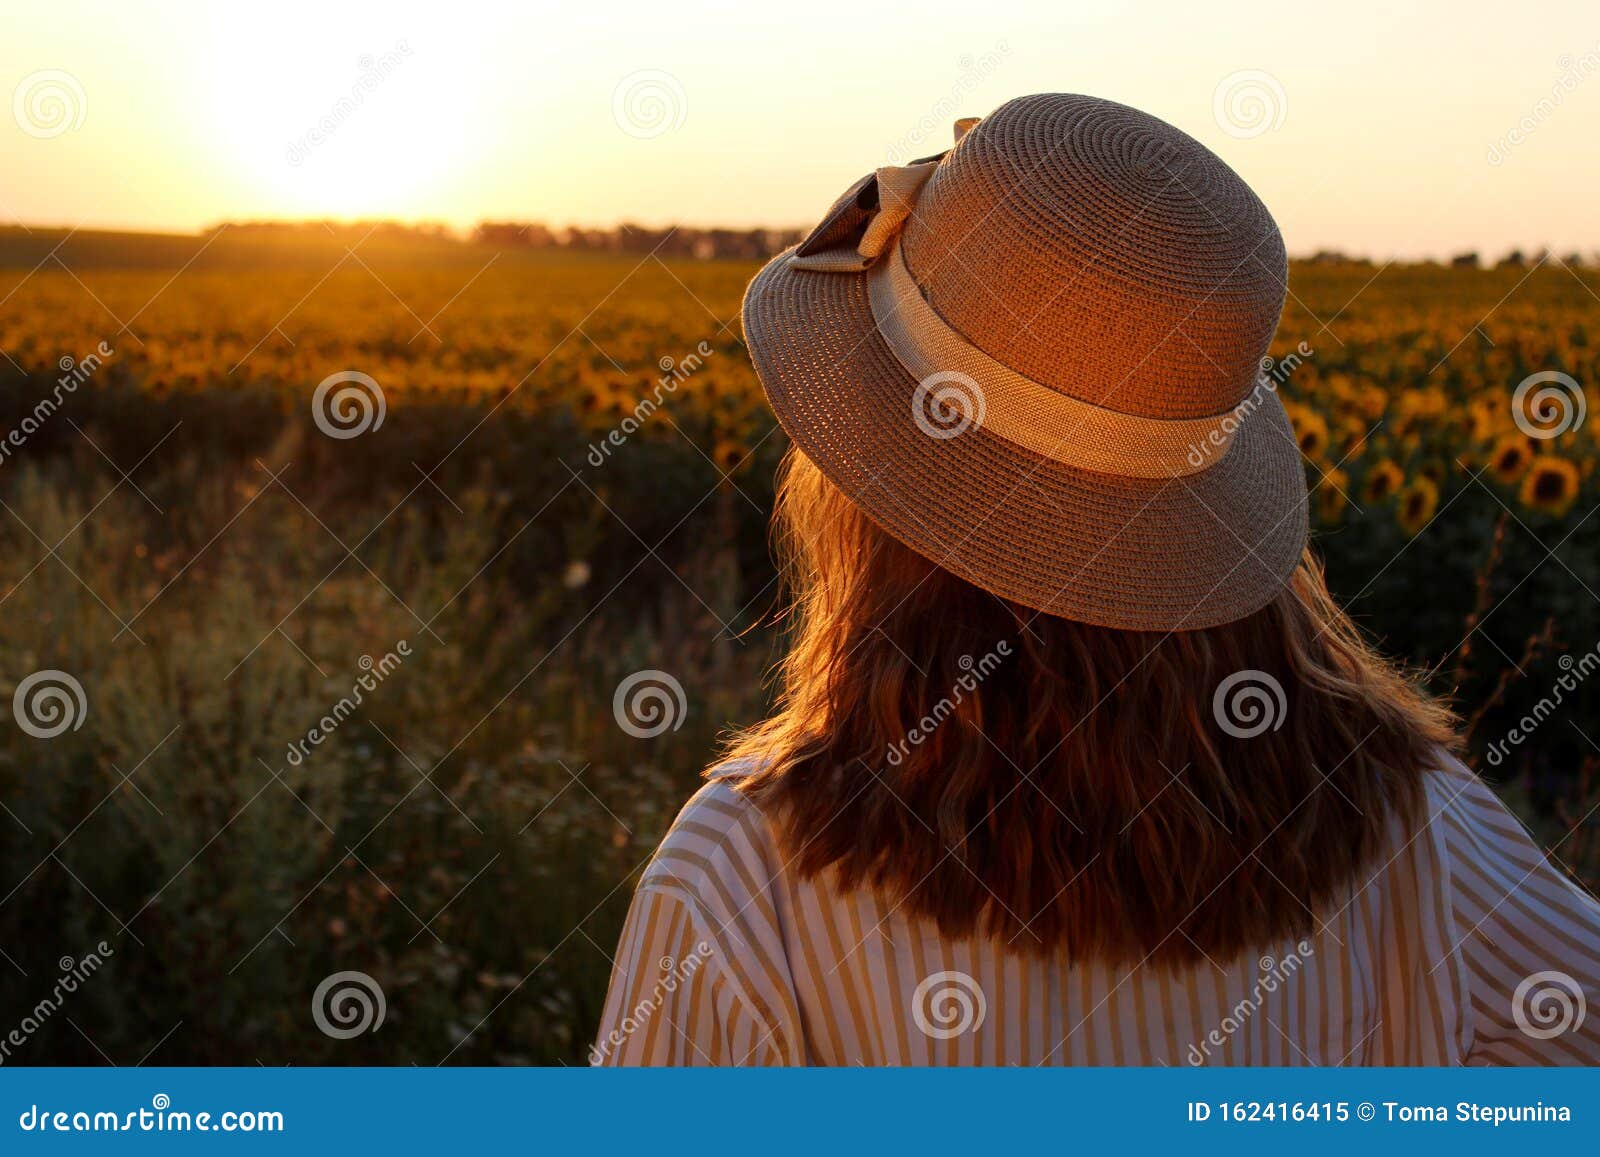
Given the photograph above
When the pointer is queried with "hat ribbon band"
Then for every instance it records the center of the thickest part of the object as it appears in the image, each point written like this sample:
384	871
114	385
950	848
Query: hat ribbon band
960	386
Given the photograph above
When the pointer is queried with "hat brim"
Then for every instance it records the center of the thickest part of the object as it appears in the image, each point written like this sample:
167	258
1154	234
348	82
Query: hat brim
1131	553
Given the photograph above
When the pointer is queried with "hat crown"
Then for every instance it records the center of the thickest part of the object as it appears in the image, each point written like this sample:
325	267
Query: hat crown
1103	253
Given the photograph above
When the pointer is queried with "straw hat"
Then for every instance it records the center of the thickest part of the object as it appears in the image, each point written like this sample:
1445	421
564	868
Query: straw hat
1036	359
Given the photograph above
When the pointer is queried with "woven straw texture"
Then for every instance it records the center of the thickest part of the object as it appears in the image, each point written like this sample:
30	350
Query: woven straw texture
1106	255
1101	251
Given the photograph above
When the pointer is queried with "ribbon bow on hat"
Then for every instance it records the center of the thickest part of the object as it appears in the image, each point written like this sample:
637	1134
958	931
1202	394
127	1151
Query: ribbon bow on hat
863	222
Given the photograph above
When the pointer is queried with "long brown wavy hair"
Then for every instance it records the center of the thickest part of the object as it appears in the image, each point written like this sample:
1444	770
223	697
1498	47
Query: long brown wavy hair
1070	789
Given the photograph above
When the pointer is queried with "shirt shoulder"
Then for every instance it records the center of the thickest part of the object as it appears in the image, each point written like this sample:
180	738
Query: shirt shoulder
719	852
1472	824
720	860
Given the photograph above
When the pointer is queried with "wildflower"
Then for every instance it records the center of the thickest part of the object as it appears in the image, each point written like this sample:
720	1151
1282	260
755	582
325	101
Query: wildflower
1551	485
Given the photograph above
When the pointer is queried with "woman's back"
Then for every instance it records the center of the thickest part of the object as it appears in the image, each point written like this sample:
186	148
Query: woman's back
1450	952
1074	757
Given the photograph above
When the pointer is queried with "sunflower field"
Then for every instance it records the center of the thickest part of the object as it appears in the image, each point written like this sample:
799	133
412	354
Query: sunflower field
235	473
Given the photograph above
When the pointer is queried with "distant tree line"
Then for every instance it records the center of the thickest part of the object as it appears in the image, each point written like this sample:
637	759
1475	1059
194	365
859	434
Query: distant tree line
682	241
687	241
345	230
676	241
1517	259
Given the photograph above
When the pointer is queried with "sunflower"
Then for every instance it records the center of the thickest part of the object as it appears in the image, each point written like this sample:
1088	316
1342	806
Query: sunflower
728	455
1551	485
1351	441
1418	501
1509	458
1434	470
1331	496
1382	481
1311	431
1374	402
1482	417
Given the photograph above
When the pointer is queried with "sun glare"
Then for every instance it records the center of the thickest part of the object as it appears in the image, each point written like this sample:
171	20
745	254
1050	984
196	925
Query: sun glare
327	131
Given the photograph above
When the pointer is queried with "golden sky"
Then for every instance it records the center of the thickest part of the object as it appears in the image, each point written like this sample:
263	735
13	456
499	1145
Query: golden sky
1384	128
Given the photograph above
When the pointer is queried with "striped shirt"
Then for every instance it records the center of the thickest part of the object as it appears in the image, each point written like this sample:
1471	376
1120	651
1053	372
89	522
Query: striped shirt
1463	945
